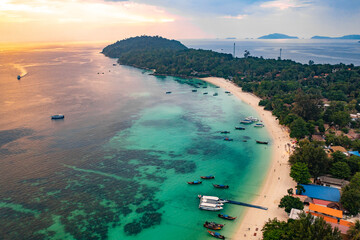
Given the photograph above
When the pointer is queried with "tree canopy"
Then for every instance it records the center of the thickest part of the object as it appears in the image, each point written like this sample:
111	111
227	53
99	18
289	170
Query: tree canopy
311	154
350	198
300	173
288	202
307	227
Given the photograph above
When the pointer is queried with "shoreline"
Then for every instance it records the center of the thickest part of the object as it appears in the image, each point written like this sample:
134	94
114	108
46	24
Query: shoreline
277	179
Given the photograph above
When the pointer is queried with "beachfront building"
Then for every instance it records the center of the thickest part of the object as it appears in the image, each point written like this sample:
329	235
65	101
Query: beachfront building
321	192
331	182
294	213
332	216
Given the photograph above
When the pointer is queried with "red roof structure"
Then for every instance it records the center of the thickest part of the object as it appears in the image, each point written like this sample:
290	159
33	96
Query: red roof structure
321	202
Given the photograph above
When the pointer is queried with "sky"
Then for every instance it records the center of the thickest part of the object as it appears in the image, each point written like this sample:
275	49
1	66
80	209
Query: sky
109	20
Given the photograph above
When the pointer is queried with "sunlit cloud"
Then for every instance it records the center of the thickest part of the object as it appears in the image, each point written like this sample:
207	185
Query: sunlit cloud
66	11
285	4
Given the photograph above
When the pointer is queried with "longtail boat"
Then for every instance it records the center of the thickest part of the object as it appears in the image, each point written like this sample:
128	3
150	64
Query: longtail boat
228	139
220	186
227	217
194	182
261	142
216	235
208	177
213	225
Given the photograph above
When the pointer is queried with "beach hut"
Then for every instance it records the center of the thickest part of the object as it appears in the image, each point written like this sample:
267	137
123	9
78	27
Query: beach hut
331	182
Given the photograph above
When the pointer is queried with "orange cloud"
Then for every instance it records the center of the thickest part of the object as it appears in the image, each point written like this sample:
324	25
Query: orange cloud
23	20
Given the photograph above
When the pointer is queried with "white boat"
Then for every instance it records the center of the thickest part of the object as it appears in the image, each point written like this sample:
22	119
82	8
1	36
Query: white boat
246	121
213	198
210	206
211	201
252	119
259	125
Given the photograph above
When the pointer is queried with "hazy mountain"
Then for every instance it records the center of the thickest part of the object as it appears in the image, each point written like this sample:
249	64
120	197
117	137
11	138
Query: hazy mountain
354	36
277	36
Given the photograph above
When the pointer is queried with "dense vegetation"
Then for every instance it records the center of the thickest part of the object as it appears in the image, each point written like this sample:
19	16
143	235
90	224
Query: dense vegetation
307	227
350	197
141	44
310	99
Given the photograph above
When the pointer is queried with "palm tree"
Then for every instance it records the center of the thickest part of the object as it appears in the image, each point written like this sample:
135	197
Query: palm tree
354	231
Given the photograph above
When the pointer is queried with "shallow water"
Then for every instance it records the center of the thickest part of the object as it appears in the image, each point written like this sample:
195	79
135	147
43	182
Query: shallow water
116	167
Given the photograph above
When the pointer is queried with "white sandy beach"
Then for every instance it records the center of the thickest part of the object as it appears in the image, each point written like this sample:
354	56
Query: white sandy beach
277	180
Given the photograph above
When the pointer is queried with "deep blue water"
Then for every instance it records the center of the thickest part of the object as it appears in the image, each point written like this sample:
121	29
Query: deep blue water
299	50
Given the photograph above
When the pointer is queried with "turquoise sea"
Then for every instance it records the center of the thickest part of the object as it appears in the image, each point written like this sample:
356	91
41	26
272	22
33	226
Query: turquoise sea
116	167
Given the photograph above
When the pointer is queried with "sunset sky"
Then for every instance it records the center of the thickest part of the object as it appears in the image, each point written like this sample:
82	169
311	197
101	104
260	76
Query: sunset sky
98	20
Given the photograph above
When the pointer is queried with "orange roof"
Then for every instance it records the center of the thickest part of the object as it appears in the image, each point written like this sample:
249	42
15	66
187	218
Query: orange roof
326	210
338	148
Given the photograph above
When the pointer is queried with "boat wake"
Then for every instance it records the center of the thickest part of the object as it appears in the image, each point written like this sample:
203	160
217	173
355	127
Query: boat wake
22	70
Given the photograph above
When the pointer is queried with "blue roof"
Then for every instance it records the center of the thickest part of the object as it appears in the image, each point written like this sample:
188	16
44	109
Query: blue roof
356	153
321	192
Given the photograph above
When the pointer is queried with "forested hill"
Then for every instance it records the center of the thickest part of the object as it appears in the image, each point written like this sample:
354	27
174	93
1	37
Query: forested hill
141	43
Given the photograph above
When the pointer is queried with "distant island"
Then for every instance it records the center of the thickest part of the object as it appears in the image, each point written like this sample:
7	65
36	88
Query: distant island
141	43
348	37
277	36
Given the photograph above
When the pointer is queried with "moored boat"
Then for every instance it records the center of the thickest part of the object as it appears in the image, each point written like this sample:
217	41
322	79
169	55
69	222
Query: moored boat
194	182
262	142
246	121
253	119
228	139
220	186
216	235
194	90
215	94
227	92
18	77
213	225
205	93
227	217
210	206
225	132
208	177
58	116
168	92
259	125
239	128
